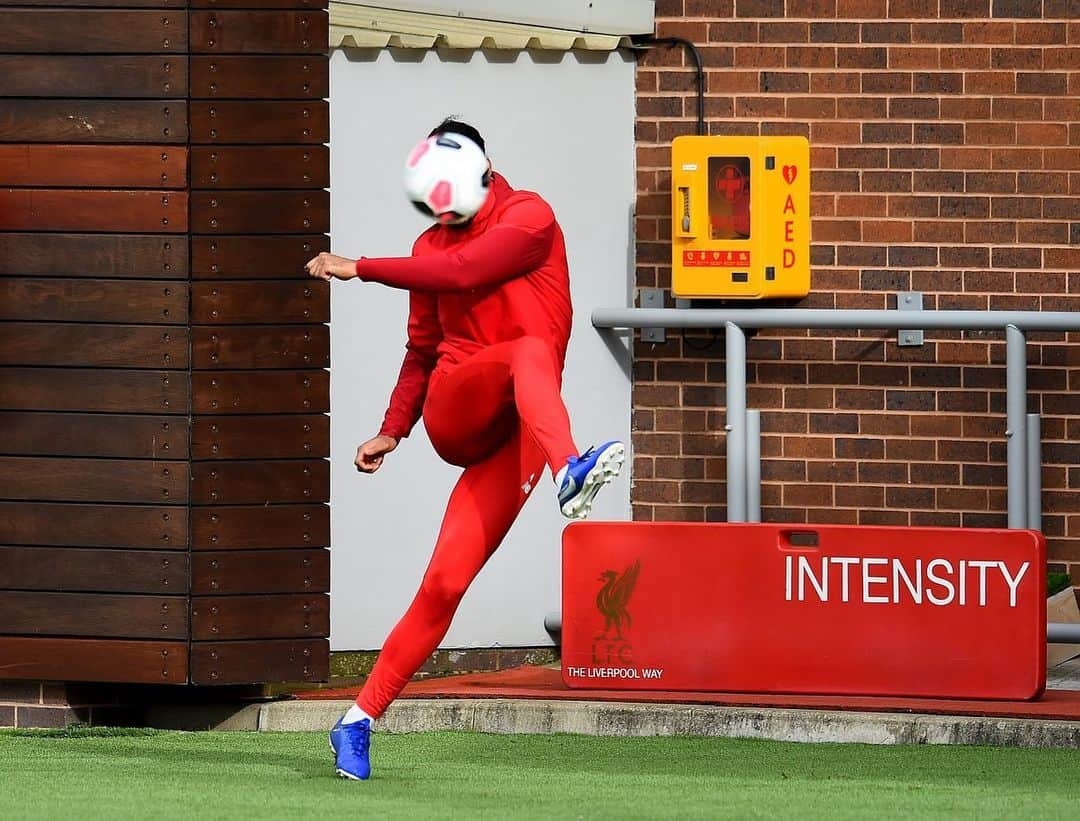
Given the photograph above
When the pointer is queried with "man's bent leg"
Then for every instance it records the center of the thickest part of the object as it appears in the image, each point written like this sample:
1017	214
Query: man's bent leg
482	507
520	376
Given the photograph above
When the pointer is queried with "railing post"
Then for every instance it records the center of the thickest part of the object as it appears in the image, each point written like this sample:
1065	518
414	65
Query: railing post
753	466
1034	472
1016	425
735	352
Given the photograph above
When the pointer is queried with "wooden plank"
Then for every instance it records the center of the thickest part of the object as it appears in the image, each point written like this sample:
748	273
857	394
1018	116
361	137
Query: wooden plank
234	303
255	437
256	392
131	526
258	212
76	31
163	4
247	662
93	166
260	78
115	256
252	257
257	4
110	346
256	122
261	346
100	615
61	209
260	571
104	77
80	389
93	480
259	32
306	166
90	300
100	121
258	617
137	662
80	569
93	435
257	527
263	482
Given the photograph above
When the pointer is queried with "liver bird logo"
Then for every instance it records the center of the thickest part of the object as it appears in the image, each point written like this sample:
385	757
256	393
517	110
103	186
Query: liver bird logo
613	597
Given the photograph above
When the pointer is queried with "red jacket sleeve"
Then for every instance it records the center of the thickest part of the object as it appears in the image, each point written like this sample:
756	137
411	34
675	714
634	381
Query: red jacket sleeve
517	244
407	400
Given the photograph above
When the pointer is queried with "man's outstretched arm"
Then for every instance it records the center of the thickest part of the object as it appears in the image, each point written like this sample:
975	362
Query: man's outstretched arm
407	399
518	244
421	353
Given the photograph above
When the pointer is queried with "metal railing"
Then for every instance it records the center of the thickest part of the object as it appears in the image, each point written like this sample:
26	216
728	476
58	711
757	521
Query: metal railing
1023	458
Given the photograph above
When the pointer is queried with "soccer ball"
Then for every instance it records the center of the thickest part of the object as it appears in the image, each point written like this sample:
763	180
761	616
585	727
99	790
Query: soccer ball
446	177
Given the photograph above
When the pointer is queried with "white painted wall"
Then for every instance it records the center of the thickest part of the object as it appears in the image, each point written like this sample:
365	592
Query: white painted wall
554	123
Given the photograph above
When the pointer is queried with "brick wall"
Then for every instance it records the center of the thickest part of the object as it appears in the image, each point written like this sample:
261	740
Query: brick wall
945	144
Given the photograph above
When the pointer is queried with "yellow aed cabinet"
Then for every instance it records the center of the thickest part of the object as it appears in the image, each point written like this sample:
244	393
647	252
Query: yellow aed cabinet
740	217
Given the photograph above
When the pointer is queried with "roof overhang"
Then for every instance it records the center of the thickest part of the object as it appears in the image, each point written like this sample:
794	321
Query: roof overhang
555	25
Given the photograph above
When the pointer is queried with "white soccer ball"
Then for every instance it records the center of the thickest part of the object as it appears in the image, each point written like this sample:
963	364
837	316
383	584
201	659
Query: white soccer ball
446	177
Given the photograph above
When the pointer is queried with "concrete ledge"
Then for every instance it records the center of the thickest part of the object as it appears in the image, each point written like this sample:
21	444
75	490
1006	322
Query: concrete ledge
507	716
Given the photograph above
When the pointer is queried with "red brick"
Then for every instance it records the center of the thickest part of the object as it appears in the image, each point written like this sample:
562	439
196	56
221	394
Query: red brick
889	518
832	472
759	57
832	516
1061	58
656	491
678	513
942	33
804	494
812	9
642	513
789	31
732	82
909	497
859	496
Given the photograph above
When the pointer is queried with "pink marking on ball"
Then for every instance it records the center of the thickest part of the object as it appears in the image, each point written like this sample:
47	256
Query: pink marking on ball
418	152
440	197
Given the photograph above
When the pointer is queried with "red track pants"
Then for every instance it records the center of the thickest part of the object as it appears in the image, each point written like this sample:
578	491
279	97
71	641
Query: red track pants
500	416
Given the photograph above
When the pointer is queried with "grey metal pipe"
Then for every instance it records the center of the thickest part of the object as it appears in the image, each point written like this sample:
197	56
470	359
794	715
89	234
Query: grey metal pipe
1034	472
1016	425
553	626
753	465
1057	633
735	355
840	319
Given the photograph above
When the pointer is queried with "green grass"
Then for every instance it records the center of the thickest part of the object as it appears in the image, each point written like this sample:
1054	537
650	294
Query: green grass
165	775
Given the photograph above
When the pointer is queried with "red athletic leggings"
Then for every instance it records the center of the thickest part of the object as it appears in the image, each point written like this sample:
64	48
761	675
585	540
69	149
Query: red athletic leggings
499	415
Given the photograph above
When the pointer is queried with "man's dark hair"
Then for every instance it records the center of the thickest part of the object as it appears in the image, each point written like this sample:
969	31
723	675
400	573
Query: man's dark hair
453	126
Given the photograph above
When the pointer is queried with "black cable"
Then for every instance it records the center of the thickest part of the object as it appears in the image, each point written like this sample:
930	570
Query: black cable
651	42
695	55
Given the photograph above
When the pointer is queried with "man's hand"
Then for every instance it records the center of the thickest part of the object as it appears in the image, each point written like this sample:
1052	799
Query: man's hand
327	266
369	456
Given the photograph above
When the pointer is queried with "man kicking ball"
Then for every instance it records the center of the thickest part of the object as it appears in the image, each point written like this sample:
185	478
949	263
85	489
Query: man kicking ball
489	324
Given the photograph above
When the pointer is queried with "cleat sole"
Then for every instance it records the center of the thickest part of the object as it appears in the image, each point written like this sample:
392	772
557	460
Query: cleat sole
606	469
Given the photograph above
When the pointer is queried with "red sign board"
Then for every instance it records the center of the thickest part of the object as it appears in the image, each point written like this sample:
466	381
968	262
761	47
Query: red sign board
838	610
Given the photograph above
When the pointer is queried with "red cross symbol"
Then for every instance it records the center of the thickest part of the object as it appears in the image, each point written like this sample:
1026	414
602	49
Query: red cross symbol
730	182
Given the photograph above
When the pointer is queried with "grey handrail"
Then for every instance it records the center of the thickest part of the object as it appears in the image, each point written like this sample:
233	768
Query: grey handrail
734	320
834	318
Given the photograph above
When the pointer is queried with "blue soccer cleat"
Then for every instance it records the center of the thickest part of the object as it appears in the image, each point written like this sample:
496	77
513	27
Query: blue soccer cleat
335	735
586	474
353	742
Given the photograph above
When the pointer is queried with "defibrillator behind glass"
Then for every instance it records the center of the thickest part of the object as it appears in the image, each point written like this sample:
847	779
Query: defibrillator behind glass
740	217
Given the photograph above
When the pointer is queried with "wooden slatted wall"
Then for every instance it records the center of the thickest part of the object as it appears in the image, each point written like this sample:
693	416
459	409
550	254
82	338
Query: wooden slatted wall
260	574
163	484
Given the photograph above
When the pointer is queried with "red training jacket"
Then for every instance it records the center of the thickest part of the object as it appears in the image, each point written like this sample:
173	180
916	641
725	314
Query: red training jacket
500	277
